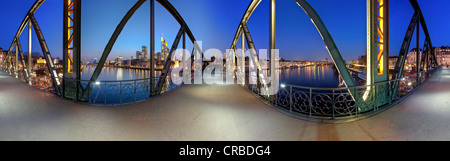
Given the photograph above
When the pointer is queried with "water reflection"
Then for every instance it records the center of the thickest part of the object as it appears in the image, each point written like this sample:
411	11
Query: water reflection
112	74
120	74
312	76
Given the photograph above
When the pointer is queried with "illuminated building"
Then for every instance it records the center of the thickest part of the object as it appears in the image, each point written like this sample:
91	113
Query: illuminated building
144	53
164	50
411	59
56	60
392	62
119	60
40	62
94	61
138	55
2	55
443	55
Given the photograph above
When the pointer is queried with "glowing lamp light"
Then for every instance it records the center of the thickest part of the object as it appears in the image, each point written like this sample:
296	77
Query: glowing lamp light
283	85
97	83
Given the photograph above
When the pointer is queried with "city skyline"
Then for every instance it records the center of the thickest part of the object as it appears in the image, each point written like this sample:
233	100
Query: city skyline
297	38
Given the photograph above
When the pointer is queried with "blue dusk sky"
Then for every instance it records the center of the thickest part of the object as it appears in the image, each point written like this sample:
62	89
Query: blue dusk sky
215	22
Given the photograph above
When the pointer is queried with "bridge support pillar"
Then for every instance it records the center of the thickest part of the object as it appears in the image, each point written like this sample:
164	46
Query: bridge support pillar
30	65
418	71
16	63
71	49
152	47
377	51
243	57
273	73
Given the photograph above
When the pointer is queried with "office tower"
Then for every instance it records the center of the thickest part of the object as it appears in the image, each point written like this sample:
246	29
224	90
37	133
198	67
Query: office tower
144	53
119	60
138	55
164	50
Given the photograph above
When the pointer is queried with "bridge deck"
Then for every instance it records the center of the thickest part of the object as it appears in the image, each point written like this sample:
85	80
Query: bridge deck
223	112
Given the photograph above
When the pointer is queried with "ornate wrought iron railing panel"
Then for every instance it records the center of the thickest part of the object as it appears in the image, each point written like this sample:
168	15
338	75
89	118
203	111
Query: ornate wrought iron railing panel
121	92
335	102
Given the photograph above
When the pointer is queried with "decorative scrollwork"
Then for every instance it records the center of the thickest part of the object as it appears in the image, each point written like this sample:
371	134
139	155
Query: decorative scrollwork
322	104
300	101
128	92
283	98
344	104
112	93
142	90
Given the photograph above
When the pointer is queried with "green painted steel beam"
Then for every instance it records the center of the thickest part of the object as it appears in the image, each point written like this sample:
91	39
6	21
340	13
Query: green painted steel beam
47	55
331	46
416	7
26	73
175	14
32	10
22	26
250	9
329	42
168	62
120	27
398	71
416	19
109	46
71	87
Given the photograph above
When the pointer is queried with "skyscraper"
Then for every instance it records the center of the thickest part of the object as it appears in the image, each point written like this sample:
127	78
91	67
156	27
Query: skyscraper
164	49
138	55
119	60
158	57
144	53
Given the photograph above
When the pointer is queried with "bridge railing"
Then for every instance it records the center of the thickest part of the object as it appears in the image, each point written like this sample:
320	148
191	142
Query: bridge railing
121	91
102	92
330	103
41	81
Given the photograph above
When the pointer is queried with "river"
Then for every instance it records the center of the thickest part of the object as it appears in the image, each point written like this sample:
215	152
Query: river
311	76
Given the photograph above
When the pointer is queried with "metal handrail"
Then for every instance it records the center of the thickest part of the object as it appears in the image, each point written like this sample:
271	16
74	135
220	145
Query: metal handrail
121	91
125	91
329	103
111	80
345	88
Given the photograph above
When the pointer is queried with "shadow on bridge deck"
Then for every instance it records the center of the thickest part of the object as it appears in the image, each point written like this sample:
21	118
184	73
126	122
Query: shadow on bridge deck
221	112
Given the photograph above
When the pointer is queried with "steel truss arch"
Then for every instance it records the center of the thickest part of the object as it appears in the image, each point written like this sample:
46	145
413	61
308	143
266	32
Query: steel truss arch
29	18
417	19
184	29
321	28
25	20
26	73
329	43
